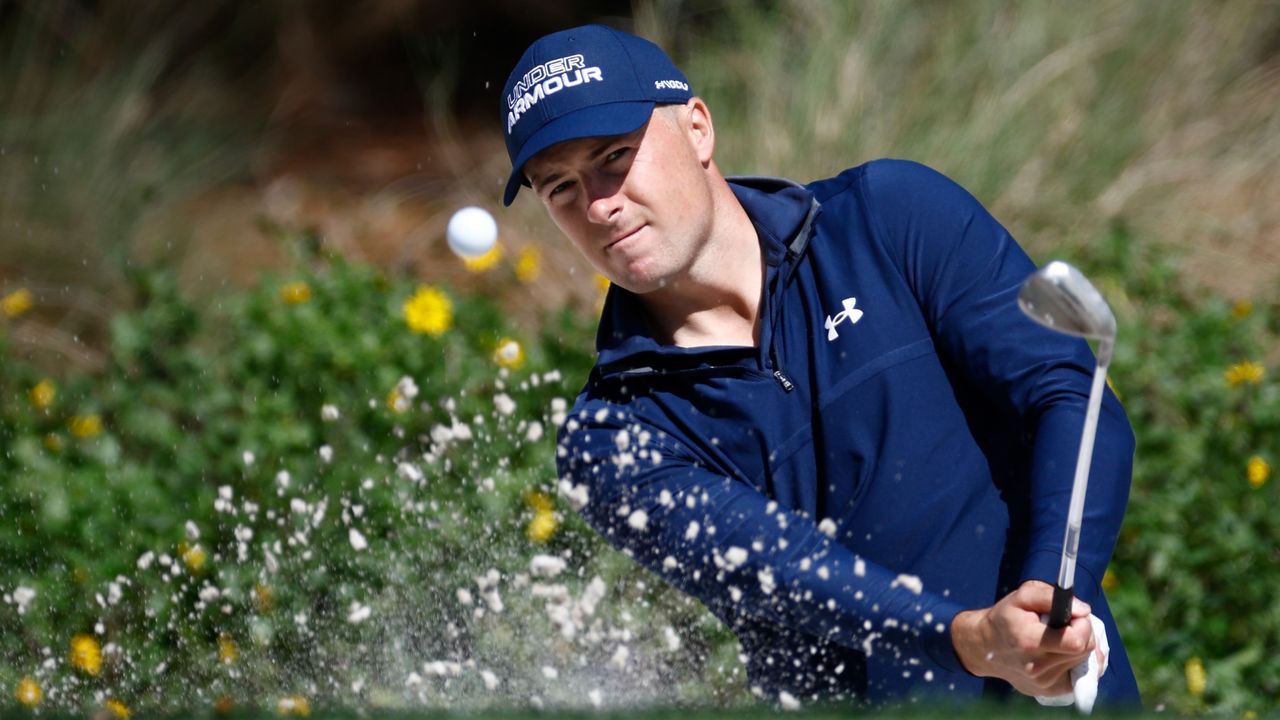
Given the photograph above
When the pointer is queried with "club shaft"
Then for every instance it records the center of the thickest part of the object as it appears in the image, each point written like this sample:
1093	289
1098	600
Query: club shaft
1079	486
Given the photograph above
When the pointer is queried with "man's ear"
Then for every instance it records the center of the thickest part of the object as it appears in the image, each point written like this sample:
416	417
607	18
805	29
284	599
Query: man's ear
702	134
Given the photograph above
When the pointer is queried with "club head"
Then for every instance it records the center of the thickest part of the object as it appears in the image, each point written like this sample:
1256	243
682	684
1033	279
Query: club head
1061	298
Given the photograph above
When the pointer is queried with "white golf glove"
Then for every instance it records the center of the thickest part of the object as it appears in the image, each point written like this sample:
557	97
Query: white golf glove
1084	677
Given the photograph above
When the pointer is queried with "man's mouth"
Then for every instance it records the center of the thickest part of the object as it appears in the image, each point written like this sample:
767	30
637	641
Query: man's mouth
619	237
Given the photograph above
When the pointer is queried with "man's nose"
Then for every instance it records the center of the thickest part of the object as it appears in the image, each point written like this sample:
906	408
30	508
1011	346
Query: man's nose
604	198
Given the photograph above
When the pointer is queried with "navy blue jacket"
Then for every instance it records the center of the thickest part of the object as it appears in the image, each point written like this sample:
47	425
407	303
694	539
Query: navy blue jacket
898	447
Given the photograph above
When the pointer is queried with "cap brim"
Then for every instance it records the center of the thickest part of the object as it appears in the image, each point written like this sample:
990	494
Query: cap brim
617	118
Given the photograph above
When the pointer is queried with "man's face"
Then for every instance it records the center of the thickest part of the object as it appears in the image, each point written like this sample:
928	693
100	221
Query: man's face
638	206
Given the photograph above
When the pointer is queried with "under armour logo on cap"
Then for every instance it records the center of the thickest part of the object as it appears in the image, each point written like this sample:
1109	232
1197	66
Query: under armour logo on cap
589	81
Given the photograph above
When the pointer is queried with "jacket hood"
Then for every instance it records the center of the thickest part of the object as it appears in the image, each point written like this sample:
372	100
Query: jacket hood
781	211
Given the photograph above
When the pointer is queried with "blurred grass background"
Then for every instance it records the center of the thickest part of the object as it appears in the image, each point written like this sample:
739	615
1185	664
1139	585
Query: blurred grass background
212	217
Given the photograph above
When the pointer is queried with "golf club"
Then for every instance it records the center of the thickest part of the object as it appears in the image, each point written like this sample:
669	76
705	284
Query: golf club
1061	298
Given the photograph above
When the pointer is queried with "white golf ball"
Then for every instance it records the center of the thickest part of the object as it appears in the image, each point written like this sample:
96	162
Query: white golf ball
472	232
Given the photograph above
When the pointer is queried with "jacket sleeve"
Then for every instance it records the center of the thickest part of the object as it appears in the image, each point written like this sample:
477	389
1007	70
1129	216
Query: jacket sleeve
722	541
965	271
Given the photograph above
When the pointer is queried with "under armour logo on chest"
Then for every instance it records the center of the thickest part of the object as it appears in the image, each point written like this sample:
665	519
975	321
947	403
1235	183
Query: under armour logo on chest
849	313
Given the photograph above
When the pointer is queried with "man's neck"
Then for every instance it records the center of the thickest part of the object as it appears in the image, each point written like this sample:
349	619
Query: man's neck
717	302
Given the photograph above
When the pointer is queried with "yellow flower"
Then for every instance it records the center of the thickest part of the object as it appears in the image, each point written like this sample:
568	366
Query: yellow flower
293	705
539	501
193	557
485	262
544	524
28	692
43	394
118	709
85	426
398	403
86	654
295	293
1196	676
53	442
509	354
224	705
1109	580
429	311
602	291
1241	309
227	650
1258	471
529	264
263	598
1245	372
16	303
542	527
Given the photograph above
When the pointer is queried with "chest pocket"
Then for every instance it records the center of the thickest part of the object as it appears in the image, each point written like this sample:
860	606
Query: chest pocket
904	354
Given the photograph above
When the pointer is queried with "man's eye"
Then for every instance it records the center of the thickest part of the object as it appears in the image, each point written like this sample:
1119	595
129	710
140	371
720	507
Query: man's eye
559	188
616	154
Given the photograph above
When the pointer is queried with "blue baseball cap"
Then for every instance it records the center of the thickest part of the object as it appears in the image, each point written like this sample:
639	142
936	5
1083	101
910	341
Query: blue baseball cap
589	81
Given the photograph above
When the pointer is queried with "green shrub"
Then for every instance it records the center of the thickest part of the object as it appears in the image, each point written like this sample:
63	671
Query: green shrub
1195	571
193	507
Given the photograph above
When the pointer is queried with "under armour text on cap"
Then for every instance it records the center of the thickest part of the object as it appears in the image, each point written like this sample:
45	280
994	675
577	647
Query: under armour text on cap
589	81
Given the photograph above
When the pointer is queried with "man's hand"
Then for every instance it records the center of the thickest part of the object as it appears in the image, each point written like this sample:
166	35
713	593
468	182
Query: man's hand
1009	640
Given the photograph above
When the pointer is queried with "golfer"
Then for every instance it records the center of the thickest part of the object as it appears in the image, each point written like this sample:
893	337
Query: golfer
817	408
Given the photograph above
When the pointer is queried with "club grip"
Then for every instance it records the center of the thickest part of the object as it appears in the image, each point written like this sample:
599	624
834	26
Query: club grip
1060	613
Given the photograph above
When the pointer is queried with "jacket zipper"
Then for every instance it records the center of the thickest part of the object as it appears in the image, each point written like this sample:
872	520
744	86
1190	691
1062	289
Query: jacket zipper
792	258
785	381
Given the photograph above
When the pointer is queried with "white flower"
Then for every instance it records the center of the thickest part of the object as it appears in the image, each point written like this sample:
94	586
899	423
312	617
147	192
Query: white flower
326	453
358	541
329	413
248	458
